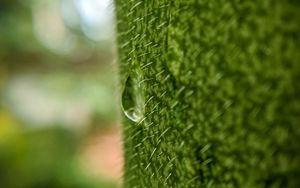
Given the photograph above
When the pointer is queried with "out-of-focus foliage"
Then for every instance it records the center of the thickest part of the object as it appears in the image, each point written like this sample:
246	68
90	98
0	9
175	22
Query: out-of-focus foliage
46	92
16	29
43	159
84	71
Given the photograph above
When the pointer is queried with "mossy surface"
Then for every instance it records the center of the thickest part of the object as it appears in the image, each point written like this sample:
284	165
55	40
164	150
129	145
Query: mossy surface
221	85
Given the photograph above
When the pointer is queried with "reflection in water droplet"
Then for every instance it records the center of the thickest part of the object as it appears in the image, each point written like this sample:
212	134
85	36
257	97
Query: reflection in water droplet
133	115
133	100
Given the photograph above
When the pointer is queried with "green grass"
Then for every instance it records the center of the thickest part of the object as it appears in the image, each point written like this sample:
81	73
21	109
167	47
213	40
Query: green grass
220	86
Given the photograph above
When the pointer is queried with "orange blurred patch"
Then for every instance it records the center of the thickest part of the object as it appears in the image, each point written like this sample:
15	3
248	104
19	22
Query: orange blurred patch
102	154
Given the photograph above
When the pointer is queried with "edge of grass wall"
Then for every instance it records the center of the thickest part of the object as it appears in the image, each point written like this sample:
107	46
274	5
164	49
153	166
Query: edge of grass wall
219	87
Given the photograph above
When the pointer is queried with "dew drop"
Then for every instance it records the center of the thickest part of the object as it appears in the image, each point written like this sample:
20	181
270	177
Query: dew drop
133	100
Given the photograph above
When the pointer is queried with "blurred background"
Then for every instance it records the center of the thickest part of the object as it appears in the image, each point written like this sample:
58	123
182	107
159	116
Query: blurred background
58	84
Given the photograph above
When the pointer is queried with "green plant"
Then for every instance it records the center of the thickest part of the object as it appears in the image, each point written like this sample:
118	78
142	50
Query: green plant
219	84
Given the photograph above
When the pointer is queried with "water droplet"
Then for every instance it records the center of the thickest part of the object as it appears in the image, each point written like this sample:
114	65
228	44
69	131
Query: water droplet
133	99
133	115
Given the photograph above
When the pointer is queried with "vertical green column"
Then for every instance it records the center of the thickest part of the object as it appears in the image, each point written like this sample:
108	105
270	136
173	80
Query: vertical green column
211	92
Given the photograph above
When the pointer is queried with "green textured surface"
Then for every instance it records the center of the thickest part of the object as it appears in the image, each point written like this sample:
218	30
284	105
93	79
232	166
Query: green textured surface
221	86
